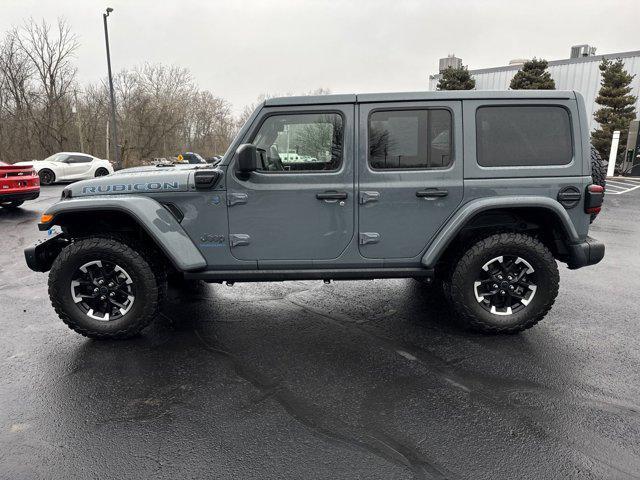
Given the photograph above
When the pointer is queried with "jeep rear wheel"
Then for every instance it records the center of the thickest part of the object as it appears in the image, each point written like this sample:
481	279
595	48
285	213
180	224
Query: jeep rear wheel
504	283
103	288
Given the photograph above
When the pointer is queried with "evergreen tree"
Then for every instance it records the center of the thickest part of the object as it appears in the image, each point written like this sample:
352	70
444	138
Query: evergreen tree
533	76
456	79
617	107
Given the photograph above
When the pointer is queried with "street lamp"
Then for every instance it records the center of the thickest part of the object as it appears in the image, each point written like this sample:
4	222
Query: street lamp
114	135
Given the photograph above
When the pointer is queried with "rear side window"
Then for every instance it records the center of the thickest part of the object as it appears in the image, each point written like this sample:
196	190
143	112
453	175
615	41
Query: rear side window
410	139
516	136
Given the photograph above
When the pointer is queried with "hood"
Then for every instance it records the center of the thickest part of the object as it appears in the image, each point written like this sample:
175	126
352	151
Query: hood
133	181
160	168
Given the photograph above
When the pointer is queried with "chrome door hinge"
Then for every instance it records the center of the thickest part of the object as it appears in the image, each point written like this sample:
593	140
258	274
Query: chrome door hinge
236	198
369	237
239	239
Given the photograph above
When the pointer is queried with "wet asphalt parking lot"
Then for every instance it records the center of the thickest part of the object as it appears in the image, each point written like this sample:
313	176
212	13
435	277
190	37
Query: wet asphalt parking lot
365	379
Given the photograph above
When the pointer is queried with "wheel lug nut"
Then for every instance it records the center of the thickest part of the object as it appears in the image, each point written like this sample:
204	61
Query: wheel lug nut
495	285
510	287
502	292
102	297
100	282
111	284
95	290
111	294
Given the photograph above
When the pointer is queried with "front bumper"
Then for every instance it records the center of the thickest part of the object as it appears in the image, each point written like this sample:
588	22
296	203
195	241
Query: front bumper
19	196
589	252
41	255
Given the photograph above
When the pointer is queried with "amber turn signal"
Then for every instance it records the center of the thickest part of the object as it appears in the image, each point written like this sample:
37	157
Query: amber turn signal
46	218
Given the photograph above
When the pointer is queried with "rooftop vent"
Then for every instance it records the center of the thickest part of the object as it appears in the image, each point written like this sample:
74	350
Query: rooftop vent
517	61
579	51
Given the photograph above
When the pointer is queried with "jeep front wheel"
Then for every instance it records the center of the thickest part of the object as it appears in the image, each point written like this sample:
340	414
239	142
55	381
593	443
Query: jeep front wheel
504	283
104	289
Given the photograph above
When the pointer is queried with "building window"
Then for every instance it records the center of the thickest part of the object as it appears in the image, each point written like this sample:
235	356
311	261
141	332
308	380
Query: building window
410	139
518	136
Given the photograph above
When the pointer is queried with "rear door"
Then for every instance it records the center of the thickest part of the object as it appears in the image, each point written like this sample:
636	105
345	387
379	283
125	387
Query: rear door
299	206
410	175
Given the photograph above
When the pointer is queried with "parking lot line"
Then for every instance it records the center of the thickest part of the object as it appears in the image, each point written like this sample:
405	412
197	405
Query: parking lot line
622	185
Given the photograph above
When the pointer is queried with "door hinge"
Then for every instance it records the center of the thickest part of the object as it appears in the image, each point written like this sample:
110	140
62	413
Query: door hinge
369	237
366	197
239	239
236	198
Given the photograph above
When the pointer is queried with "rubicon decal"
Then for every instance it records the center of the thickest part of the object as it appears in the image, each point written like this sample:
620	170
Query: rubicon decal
132	187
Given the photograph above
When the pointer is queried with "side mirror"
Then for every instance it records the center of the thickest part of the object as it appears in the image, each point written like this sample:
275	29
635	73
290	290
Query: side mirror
248	158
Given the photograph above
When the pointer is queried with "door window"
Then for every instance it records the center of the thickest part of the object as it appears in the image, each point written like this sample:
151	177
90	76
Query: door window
410	139
79	159
301	142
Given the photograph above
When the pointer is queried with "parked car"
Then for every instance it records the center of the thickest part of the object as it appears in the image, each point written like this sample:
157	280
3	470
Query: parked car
191	158
18	183
481	214
69	166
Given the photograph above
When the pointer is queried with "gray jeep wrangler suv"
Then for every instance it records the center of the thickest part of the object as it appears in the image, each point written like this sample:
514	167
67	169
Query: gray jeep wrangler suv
476	193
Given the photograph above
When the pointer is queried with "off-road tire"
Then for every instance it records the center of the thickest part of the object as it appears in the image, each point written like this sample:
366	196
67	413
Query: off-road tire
11	205
101	172
465	270
47	177
598	172
149	281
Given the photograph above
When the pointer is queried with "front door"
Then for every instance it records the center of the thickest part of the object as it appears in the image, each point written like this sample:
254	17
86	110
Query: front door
78	166
410	175
299	206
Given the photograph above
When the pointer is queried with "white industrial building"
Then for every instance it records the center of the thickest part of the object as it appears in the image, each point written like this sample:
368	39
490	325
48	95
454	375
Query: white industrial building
578	73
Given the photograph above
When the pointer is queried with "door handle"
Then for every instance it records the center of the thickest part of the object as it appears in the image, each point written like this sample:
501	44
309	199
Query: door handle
431	193
332	196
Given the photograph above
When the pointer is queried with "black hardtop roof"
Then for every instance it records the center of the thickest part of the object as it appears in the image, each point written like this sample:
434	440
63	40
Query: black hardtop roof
418	96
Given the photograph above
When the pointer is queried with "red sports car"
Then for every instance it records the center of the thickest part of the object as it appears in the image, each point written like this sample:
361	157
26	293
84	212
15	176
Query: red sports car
17	185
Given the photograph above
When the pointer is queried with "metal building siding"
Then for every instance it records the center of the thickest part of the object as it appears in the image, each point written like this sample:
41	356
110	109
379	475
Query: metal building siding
581	74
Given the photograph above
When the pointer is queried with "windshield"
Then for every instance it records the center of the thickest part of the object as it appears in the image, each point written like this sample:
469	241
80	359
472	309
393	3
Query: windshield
56	157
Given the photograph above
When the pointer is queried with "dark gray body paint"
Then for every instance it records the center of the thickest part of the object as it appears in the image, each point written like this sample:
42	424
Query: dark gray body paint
274	221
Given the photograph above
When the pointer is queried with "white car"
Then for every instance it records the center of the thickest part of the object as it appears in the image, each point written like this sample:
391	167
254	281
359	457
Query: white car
69	166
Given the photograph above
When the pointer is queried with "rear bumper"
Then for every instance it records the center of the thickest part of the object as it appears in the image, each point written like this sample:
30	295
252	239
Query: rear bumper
19	196
589	252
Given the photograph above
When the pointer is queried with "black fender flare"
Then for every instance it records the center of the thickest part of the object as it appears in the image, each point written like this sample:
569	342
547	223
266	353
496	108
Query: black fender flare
469	210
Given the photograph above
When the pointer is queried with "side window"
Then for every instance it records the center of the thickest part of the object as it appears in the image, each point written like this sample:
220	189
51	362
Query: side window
301	142
79	159
515	136
410	139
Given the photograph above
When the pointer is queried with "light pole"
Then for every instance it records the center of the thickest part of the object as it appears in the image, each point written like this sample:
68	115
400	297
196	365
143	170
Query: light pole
114	134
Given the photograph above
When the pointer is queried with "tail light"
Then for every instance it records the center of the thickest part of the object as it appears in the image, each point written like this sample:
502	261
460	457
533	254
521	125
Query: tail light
593	199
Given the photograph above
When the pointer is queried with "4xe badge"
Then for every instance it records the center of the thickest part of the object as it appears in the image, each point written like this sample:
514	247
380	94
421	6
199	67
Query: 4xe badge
212	238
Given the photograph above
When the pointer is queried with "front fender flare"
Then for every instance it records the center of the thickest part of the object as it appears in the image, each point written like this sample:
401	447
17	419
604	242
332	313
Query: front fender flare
471	209
150	215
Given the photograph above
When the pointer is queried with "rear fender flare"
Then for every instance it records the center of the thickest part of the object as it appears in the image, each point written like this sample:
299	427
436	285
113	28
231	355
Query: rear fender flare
469	210
150	215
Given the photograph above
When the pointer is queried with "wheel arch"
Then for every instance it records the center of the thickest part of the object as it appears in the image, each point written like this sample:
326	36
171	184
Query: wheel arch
501	214
142	215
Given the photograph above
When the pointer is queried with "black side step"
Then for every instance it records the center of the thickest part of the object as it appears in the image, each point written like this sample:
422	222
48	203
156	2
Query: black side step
307	274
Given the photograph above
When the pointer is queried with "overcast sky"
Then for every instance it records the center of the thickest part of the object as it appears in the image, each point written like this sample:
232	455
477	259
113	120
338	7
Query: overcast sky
240	49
